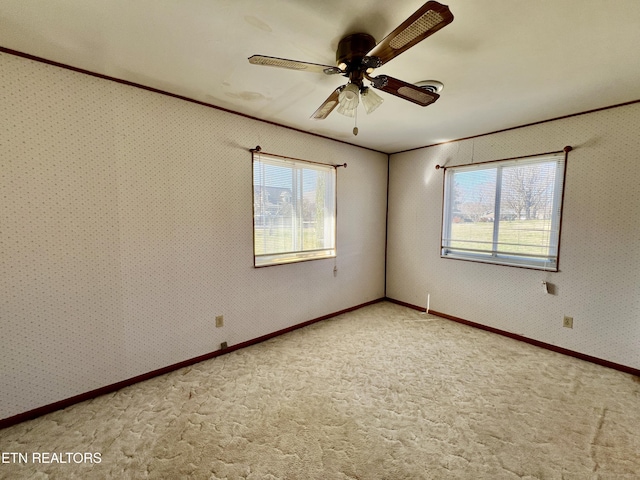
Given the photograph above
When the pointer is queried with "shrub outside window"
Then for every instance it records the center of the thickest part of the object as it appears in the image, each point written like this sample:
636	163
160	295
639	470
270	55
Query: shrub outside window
294	210
506	212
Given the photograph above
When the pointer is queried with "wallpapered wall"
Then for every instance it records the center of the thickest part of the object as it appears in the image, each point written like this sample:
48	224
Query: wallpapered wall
599	279
126	227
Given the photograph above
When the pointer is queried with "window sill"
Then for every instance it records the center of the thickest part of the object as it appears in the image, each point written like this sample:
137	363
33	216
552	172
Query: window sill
296	257
505	262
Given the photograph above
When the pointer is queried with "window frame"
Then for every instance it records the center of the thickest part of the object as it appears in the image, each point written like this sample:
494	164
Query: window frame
297	255
496	256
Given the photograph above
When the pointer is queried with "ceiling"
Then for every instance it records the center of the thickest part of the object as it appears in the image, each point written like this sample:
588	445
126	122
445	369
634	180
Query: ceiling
503	63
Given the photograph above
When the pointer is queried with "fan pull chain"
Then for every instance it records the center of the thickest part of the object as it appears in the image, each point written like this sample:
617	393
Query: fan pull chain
355	128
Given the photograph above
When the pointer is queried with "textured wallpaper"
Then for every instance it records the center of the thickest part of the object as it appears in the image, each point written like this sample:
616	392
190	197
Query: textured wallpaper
599	279
126	227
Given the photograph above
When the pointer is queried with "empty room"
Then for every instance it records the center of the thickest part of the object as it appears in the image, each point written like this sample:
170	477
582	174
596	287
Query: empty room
319	240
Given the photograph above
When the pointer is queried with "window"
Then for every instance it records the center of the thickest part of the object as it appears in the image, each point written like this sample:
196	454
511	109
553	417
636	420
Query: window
294	210
505	212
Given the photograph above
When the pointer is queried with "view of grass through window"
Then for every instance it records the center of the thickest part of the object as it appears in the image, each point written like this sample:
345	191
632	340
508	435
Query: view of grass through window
517	236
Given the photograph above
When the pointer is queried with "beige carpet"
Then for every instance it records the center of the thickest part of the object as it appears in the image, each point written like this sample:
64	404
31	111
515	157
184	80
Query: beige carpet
380	393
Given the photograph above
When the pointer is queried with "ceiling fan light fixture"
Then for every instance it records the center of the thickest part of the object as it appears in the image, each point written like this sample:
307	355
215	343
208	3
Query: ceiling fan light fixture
348	97
358	55
347	112
370	100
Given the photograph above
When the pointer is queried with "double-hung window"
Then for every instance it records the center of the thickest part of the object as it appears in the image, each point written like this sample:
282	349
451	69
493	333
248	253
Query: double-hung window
294	210
505	212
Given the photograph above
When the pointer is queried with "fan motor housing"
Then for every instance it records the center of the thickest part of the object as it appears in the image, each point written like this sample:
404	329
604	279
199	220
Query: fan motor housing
353	47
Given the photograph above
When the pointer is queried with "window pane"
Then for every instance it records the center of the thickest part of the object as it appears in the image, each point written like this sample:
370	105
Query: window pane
273	210
315	208
526	209
472	204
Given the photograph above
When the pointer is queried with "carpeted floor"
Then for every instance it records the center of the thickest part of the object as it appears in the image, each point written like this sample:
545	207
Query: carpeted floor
380	393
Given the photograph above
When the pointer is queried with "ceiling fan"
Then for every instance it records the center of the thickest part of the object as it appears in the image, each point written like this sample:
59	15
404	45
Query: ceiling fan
358	55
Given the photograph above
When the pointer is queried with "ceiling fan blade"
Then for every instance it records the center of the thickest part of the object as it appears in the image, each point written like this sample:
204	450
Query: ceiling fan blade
293	64
429	18
404	90
327	107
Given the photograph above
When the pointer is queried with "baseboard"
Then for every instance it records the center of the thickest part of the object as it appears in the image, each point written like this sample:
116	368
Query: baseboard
537	343
67	402
405	304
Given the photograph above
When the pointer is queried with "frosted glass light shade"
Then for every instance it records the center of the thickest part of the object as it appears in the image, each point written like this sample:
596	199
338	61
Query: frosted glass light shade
347	112
371	100
348	97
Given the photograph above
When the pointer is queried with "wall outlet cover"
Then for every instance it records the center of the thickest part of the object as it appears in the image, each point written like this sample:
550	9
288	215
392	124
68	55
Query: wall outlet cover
567	322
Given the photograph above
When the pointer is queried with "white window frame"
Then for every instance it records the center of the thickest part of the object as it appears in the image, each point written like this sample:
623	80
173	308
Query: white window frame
500	254
297	253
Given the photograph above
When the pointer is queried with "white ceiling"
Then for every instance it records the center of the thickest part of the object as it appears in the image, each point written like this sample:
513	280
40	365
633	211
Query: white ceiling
504	63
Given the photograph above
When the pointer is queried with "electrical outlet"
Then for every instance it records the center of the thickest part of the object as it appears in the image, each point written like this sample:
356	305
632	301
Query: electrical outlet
223	345
567	322
219	321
